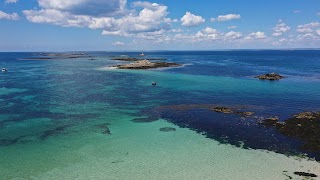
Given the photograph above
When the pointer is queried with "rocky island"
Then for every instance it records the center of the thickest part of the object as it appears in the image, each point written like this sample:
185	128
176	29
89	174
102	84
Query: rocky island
57	56
271	77
134	59
145	64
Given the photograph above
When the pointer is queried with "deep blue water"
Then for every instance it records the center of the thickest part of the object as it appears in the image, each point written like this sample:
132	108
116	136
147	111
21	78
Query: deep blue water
55	89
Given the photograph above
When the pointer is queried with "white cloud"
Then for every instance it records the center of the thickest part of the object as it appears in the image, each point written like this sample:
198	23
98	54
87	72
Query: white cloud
318	32
256	35
13	16
304	30
279	42
308	28
318	13
296	11
155	36
280	29
111	16
86	7
118	43
233	35
308	37
207	34
226	17
191	20
176	30
10	1
209	30
232	27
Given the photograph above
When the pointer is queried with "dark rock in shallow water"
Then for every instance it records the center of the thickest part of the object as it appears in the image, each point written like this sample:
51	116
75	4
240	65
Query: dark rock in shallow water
305	174
105	128
144	120
307	115
126	58
271	77
270	122
145	64
245	113
223	110
305	127
53	132
167	129
8	142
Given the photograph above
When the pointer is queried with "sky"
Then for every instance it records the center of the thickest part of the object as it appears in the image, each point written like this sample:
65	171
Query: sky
129	25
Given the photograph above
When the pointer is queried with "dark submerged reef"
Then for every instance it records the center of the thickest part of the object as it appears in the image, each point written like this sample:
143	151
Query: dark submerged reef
297	135
271	77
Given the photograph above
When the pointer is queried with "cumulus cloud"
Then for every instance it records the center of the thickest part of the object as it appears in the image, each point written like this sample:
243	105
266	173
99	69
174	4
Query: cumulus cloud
280	42
233	35
226	17
207	33
10	1
190	19
86	7
118	43
109	15
308	28
256	35
280	29
13	16
308	37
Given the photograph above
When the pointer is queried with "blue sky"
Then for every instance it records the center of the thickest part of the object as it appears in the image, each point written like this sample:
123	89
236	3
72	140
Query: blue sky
68	25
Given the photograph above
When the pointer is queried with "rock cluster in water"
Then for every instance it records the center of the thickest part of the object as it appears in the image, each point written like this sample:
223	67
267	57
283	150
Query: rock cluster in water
212	107
145	64
105	128
134	59
56	56
271	77
167	129
305	127
270	122
305	174
144	120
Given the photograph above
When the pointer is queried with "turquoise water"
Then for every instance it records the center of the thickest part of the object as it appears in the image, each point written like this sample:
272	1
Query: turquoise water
72	118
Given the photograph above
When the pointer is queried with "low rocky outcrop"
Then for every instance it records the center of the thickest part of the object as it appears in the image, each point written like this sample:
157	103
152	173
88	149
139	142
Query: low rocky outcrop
245	113
271	77
236	110
304	126
307	115
223	110
167	129
145	64
135	59
105	128
270	122
145	120
305	174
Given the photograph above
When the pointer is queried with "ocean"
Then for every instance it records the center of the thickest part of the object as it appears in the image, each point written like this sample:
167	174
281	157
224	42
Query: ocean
77	118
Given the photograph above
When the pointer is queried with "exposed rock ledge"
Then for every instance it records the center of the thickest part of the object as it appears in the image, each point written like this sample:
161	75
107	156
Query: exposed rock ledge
304	126
271	77
145	64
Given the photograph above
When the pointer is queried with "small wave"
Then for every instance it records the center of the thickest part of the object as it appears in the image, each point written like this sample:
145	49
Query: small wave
107	68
